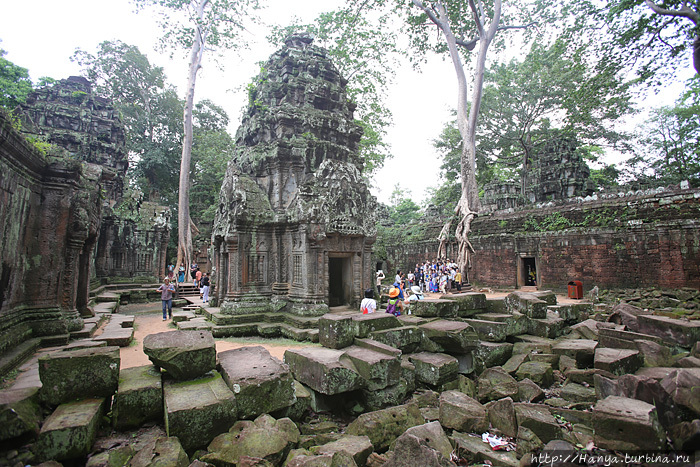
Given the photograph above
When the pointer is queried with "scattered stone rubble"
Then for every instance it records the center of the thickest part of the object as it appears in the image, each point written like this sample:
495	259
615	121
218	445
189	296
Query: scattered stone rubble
420	389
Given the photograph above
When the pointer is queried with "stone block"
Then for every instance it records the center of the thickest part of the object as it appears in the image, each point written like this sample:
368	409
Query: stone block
385	397
540	373
75	374
528	391
161	452
527	304
475	451
489	354
265	438
552	359
322	370
468	303
261	383
674	331
578	394
581	350
183	354
435	308
377	346
495	383
627	425
452	336
384	426
492	331
516	323
574	312
378	369
366	324
514	362
198	410
683	385
407	339
139	397
301	406
336	331
359	447
462	413
19	412
618	361
434	368
539	419
70	431
434	436
550	326
502	416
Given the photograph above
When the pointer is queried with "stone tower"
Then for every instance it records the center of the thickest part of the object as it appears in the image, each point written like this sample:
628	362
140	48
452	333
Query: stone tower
296	222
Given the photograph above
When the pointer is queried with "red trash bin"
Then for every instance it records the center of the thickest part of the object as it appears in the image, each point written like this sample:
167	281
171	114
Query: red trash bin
576	289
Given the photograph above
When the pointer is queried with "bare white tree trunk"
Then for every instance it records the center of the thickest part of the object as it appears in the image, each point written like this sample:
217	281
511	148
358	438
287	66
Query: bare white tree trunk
184	221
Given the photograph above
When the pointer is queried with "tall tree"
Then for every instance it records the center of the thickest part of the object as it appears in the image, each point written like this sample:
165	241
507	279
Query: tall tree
197	25
462	26
15	84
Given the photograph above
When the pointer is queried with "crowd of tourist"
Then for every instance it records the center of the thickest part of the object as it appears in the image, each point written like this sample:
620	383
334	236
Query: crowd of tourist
439	276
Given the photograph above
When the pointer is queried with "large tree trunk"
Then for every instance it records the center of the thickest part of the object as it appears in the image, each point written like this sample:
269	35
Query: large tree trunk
184	234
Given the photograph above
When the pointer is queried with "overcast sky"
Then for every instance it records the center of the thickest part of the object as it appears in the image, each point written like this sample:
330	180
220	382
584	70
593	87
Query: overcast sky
41	35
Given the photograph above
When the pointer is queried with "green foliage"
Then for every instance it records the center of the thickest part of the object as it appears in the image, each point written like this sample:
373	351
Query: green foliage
15	84
40	144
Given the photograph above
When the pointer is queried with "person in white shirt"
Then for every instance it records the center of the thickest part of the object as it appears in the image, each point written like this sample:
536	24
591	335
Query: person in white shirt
368	304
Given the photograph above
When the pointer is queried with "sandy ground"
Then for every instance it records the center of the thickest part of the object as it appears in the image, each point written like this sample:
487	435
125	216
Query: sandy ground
148	319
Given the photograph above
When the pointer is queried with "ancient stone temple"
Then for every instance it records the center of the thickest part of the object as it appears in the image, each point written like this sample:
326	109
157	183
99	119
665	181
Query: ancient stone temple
296	222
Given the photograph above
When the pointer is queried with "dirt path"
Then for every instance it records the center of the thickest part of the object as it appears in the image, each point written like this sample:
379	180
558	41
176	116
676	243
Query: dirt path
149	320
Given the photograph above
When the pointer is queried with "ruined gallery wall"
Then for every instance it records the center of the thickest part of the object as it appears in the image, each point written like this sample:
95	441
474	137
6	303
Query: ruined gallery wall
648	239
49	213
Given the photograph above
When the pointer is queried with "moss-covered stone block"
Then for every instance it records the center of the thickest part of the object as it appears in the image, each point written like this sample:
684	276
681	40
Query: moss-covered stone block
384	426
198	410
19	412
161	452
336	331
139	398
378	369
75	374
183	354
407	338
321	369
526	303
488	354
540	373
451	336
372	322
468	303
627	425
70	431
435	308
434	368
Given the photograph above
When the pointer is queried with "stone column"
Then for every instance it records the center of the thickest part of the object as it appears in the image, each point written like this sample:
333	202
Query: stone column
69	284
233	267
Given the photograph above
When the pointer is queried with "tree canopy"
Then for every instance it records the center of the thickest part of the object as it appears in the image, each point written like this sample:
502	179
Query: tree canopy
15	84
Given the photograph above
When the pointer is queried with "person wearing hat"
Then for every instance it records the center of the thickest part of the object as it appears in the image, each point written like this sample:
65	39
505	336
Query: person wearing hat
166	290
380	277
417	294
368	304
395	304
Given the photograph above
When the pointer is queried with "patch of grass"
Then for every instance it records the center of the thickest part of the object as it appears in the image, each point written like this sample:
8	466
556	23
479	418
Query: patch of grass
8	378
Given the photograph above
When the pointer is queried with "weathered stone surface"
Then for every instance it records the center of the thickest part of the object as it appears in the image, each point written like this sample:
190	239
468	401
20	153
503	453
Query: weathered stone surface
120	455
304	458
183	354
516	323
645	389
432	307
551	326
19	412
674	331
75	374
435	437
468	303
686	436
139	397
372	322
359	447
474	450
502	416
527	442
424	445
433	368
491	331
624	313
261	383
301	406
196	411
462	413
526	303
70	431
266	438
581	350
618	361
385	397
407	338
384	426
451	336
654	354
577	393
490	354
336	331
622	339
514	362
161	452
322	370
494	383
684	387
538	418
378	369
627	424
539	372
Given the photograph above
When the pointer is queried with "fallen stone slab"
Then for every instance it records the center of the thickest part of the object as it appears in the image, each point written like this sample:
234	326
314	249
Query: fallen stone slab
492	331
495	383
526	303
548	358
116	335
198	410
550	326
577	393
70	431
161	452
407	338
574	312
264	438
19	412
336	331
476	451
618	361
581	350
627	424
621	339
377	346
434	368
183	354
261	383
540	373
420	447
378	369
451	336
462	413
197	324
628	315
514	362
384	426
502	416
433	435
139	398
538	418
179	316
528	391
70	375
516	323
322	370
490	354
686	436
364	325
674	331
359	447
468	303
386	397
683	385
431	307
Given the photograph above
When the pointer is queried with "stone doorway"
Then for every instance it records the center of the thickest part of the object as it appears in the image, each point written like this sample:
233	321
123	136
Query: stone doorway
339	280
527	271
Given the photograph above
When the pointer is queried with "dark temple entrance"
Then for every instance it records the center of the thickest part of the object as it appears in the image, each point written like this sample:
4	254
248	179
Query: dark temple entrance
339	281
527	271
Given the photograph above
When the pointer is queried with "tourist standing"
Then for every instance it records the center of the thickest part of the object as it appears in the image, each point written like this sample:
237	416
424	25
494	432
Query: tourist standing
181	273
193	272
198	281
368	304
458	280
205	288
380	276
166	290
